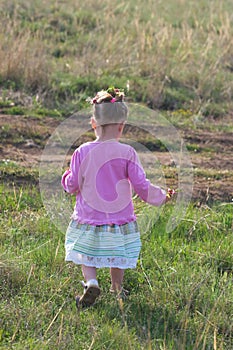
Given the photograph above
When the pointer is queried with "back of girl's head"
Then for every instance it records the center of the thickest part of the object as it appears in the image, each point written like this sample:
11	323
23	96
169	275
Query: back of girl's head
109	107
108	113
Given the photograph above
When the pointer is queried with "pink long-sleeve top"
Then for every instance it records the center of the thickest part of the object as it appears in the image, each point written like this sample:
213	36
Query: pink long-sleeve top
103	175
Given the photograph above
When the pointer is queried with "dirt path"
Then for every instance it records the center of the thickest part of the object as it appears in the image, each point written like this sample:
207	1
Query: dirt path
23	139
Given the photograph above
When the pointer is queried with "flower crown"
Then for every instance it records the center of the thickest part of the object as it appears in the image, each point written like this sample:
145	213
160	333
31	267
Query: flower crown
112	95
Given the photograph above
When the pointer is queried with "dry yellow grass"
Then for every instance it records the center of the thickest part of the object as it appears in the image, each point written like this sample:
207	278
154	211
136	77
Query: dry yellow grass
183	46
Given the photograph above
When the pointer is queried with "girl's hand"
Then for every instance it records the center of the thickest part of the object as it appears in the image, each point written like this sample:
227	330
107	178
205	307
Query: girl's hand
170	194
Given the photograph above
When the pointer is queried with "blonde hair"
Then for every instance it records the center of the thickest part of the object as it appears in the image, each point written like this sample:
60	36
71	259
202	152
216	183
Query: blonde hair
110	113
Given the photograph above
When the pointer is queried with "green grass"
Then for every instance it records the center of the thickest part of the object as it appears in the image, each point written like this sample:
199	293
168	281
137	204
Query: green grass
180	293
13	172
213	173
32	112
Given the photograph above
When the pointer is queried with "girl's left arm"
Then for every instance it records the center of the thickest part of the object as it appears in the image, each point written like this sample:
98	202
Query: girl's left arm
148	192
70	178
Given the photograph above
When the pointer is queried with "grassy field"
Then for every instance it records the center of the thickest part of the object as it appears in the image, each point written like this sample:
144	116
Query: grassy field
174	56
180	294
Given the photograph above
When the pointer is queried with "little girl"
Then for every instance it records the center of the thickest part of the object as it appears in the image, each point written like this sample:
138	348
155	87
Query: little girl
103	231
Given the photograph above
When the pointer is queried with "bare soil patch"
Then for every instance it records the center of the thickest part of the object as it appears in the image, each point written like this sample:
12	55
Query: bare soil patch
23	139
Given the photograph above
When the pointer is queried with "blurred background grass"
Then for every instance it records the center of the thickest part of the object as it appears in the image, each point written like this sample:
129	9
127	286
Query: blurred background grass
170	54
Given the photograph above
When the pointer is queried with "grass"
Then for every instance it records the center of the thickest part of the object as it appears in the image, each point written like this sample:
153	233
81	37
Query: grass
172	56
213	173
14	173
180	293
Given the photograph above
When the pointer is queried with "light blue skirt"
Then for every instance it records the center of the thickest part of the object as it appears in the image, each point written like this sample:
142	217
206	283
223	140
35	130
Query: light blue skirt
104	245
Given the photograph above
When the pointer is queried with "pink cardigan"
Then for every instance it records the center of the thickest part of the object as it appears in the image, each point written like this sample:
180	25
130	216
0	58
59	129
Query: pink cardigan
102	175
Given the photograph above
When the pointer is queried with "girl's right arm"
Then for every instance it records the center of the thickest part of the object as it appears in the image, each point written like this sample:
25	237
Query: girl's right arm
70	179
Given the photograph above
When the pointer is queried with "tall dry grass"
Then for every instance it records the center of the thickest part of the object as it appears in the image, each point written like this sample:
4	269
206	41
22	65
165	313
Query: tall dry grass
171	51
23	59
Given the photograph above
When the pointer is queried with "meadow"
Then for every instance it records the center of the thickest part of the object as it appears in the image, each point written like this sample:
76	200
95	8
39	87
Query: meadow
174	57
180	294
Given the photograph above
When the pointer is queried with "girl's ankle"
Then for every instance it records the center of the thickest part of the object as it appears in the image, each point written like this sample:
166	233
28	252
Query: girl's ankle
116	289
92	282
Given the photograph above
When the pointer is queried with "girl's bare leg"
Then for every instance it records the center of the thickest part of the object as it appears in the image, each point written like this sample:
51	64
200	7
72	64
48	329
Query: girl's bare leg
89	272
117	276
91	288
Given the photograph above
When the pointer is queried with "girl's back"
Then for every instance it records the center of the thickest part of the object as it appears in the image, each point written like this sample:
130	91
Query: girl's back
101	177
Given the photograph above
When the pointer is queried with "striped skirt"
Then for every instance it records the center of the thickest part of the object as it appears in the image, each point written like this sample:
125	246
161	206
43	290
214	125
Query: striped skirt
104	245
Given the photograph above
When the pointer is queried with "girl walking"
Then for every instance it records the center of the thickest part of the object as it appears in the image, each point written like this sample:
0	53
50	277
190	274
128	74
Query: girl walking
103	231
